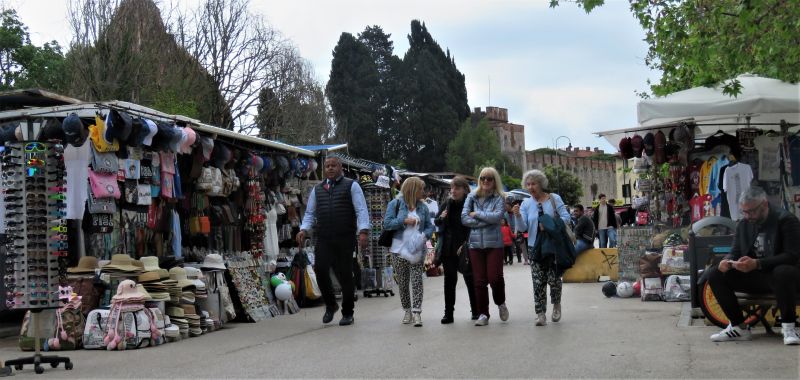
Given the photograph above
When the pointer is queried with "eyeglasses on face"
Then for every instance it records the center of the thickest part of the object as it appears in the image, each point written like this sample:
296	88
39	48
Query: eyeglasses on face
487	179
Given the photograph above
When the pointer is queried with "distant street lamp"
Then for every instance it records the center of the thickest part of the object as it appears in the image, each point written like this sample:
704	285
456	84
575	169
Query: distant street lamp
558	182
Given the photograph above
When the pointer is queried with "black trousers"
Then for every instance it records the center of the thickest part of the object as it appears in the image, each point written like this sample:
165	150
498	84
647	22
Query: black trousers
783	281
336	254
450	264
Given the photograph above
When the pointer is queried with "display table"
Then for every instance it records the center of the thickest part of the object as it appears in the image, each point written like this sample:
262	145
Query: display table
593	263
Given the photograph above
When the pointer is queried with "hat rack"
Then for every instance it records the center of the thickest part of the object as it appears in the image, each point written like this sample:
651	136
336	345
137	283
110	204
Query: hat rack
33	174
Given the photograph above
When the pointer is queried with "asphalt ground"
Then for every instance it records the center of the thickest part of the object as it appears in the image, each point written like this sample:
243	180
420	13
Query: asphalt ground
597	337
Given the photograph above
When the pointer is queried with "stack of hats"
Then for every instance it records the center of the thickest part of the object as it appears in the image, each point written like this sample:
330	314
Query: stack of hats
178	318
123	266
128	292
194	320
206	323
151	279
172	332
195	275
86	265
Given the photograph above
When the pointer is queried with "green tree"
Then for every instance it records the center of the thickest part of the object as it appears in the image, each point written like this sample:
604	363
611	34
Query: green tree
703	42
352	91
434	102
564	183
24	65
473	147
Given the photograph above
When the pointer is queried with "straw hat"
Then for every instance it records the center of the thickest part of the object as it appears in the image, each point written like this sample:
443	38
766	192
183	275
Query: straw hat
127	291
213	261
87	264
179	274
122	263
150	263
149	277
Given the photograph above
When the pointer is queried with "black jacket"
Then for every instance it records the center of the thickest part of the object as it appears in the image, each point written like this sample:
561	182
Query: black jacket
584	229
781	239
612	220
452	232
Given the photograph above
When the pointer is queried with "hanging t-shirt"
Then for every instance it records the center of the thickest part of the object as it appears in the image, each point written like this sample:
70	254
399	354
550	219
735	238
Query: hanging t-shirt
737	180
76	161
769	157
694	178
705	174
713	183
696	203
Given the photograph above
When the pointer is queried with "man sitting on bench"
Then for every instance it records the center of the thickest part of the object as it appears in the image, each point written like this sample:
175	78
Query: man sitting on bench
763	259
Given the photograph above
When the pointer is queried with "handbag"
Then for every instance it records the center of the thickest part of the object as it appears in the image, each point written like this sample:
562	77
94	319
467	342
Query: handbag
567	227
312	289
100	205
385	240
105	162
464	264
204	183
104	185
413	249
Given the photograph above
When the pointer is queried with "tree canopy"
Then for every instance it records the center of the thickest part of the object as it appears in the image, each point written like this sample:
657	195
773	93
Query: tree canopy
564	183
704	42
475	146
24	65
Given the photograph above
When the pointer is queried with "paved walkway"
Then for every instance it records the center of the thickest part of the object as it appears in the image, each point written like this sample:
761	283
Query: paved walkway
597	338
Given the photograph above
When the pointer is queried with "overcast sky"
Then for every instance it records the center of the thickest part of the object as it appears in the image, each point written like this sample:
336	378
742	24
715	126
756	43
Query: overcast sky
558	71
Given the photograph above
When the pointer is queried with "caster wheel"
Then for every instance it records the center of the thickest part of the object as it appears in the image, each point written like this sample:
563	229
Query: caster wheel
38	369
18	367
68	366
54	365
386	295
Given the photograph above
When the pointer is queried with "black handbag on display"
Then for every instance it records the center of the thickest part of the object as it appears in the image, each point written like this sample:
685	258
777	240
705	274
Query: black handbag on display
385	240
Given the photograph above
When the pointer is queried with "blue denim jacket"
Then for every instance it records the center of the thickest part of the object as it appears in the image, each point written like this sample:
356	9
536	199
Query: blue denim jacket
393	220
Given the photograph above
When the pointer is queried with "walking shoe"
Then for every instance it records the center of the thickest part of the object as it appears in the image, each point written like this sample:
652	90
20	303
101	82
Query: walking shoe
483	320
474	317
328	317
346	320
790	337
503	312
541	319
448	317
731	333
407	317
556	312
417	319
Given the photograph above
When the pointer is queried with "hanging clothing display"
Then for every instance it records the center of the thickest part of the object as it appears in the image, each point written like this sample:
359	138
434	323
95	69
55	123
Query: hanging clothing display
769	157
738	177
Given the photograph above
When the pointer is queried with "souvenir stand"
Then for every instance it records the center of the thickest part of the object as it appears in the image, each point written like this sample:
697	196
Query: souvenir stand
152	196
696	151
376	276
33	182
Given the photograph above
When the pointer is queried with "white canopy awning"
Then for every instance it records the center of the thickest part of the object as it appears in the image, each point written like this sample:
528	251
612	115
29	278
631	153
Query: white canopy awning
765	101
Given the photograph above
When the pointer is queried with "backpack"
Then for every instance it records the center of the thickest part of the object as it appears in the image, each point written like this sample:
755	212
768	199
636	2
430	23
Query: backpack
68	334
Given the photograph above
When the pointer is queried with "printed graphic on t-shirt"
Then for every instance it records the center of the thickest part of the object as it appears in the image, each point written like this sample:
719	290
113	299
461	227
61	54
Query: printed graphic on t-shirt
760	246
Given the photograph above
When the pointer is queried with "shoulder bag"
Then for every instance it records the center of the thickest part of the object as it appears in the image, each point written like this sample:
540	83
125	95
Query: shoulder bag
385	240
567	227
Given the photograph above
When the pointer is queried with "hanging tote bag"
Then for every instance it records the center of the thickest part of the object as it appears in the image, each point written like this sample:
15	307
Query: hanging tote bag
312	288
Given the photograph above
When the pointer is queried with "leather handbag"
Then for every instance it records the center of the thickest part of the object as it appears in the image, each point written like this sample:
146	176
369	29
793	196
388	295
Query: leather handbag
464	264
204	182
104	185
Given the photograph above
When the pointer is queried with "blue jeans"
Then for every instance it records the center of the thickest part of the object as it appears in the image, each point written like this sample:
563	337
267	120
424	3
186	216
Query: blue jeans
608	237
602	235
582	245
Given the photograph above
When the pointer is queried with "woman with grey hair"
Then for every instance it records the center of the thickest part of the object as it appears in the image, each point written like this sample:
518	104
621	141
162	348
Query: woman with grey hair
544	271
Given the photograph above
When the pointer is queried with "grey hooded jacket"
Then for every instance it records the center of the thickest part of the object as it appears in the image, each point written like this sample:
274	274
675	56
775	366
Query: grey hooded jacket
485	226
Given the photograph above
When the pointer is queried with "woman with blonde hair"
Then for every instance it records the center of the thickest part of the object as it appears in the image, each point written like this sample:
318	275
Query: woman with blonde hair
408	216
482	213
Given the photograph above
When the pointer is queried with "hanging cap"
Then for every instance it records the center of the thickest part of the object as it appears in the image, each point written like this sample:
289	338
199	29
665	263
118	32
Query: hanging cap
152	128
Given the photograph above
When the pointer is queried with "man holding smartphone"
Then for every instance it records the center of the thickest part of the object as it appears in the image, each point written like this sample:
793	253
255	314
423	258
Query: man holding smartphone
763	259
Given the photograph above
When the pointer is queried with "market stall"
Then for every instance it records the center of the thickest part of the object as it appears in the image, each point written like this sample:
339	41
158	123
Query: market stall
192	215
695	152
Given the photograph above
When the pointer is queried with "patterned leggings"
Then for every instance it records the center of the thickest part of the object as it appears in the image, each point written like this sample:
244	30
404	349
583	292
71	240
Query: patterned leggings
406	272
543	274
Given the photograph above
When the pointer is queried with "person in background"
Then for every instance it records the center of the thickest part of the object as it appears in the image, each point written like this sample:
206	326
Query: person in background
543	269
516	246
454	234
584	230
412	213
338	209
508	242
482	213
605	222
430	201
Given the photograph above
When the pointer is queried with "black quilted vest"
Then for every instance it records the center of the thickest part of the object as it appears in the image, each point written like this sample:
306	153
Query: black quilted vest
336	216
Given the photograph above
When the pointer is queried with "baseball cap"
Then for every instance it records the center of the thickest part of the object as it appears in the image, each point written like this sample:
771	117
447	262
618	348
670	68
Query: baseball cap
152	128
74	132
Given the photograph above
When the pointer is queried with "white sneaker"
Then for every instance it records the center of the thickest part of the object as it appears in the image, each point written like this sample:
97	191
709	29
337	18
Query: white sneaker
483	320
407	317
541	319
417	317
731	333
790	337
503	312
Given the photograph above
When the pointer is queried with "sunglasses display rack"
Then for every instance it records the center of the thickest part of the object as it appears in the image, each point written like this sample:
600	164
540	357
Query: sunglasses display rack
374	256
33	179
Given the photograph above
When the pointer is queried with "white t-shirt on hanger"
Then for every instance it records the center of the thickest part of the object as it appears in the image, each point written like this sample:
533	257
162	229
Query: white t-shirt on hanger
736	181
769	157
76	161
